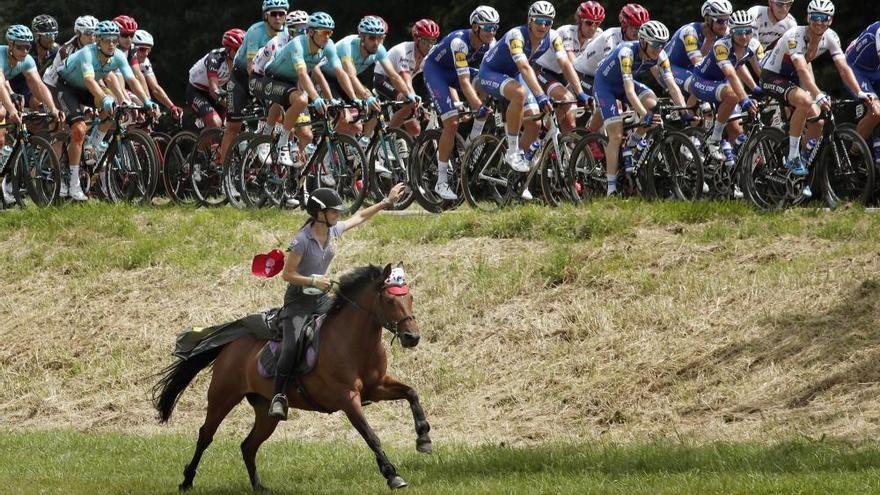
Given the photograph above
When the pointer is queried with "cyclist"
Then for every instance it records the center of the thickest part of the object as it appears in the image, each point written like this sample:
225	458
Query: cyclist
773	21
127	27
84	34
863	56
209	75
506	74
788	76
78	88
448	69
143	44
614	82
408	60
45	29
692	41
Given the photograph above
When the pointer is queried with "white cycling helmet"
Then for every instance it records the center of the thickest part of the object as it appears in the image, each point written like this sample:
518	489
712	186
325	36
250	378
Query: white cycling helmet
820	7
542	9
716	8
142	38
741	18
85	24
654	31
295	17
485	15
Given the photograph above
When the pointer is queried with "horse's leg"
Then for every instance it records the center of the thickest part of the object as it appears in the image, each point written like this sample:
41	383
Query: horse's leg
220	402
264	425
356	416
391	389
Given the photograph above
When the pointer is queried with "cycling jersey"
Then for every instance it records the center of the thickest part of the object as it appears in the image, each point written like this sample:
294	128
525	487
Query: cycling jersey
515	45
621	65
87	63
403	58
455	53
793	45
723	55
864	51
769	31
43	64
572	43
9	72
50	77
587	63
255	38
147	67
685	43
267	53
349	48
213	64
296	54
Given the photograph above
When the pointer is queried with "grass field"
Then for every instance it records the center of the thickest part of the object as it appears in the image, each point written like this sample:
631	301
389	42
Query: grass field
77	463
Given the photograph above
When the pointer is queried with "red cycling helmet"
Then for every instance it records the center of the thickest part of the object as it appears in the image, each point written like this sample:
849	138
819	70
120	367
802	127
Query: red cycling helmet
127	25
233	38
591	11
633	14
426	28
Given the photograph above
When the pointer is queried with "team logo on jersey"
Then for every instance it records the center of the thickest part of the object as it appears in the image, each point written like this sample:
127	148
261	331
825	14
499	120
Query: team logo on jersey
461	59
690	42
516	47
626	65
557	45
792	44
721	52
665	64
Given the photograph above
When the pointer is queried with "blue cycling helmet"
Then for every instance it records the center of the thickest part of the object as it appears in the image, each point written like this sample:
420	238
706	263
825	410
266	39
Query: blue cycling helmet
20	33
106	29
275	5
371	25
321	20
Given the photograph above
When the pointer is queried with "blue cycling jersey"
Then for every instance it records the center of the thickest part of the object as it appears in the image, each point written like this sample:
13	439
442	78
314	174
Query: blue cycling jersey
515	45
456	53
297	54
9	72
624	62
864	51
349	48
255	38
87	63
685	43
723	54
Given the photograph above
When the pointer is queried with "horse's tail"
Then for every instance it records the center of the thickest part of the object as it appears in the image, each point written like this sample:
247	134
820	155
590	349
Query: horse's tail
175	379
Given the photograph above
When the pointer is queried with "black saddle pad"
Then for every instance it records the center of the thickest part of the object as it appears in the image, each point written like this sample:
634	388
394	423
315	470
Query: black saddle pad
267	363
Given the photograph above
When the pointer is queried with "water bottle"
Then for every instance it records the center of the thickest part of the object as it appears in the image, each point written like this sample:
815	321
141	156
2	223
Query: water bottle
309	151
4	154
640	147
727	149
533	148
876	145
809	152
740	140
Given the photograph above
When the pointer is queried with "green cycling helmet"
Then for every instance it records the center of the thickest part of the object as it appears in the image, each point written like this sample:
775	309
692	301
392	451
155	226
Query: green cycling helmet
371	25
275	5
20	33
321	20
106	29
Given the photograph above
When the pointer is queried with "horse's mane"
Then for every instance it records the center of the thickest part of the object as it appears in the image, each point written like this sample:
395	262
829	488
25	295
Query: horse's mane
350	285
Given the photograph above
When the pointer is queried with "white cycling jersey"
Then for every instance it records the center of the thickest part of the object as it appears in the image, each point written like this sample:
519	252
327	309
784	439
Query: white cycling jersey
214	62
769	30
587	63
572	43
147	67
793	45
50	76
266	54
403	58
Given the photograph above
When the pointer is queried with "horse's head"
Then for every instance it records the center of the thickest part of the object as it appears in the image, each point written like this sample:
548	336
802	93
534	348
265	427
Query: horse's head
395	306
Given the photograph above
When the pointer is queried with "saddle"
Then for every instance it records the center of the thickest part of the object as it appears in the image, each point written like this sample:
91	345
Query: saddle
267	363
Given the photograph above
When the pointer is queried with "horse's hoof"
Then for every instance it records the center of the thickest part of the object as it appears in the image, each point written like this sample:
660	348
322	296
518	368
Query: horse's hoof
184	487
396	482
424	446
259	488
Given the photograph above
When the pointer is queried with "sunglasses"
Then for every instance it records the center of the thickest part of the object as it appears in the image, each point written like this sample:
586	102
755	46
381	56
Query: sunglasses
324	32
144	48
656	44
88	33
51	36
374	37
428	41
278	13
783	4
23	47
591	23
489	28
742	31
722	21
114	40
818	17
126	35
543	21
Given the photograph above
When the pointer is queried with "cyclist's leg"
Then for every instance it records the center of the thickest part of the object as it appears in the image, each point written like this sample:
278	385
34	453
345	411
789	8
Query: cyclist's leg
236	99
606	101
530	107
202	106
869	82
551	84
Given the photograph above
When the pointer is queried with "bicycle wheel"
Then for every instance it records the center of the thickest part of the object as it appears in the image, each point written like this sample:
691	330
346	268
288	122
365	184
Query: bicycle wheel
128	166
423	171
207	169
587	167
232	168
345	166
178	168
160	196
38	171
151	169
764	174
485	175
391	152
676	170
847	169
557	186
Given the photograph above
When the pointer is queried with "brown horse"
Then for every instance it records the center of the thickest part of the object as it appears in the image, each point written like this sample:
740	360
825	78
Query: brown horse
351	369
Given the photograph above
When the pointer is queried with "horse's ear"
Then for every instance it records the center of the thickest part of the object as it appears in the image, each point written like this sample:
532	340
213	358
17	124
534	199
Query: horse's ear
400	264
386	272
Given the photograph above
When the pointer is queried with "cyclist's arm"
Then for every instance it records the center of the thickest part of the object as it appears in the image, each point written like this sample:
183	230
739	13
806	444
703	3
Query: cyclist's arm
529	76
570	74
157	90
318	80
629	89
746	78
396	80
351	74
346	83
213	86
805	74
139	77
94	88
846	73
6	95
467	89
735	84
35	84
302	74
407	79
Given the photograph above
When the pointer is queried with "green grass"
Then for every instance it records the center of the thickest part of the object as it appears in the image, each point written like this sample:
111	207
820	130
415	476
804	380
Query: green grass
87	463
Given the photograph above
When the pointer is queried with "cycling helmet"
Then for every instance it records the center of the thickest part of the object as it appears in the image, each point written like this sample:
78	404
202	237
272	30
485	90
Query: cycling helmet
654	31
542	9
126	24
372	25
19	32
716	8
321	20
106	29
485	15
820	7
85	24
633	14
426	28
143	38
275	5
591	11
323	199
44	24
741	18
295	17
233	38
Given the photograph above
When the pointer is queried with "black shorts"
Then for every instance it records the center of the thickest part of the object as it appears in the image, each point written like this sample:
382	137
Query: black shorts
383	86
336	89
72	101
587	83
201	102
238	94
547	79
778	86
274	89
19	86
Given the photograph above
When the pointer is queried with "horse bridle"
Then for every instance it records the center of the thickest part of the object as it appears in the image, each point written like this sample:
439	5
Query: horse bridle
391	326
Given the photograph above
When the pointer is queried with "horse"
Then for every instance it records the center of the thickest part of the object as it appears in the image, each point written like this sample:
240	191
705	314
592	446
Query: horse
350	370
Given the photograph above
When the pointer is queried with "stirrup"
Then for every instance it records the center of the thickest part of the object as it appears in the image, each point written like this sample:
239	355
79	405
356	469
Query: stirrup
278	407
